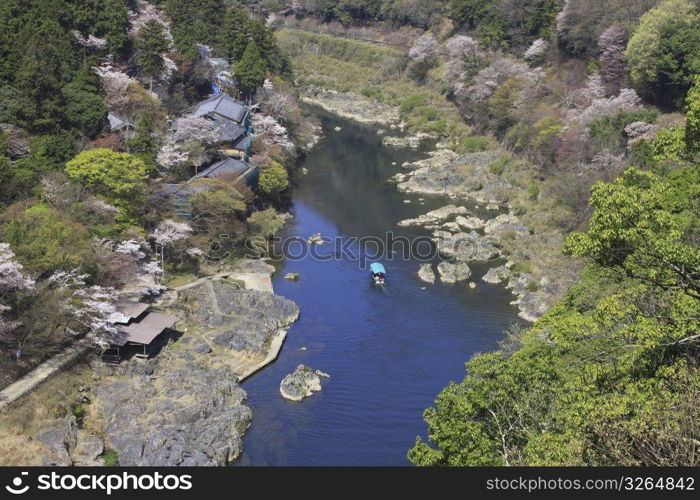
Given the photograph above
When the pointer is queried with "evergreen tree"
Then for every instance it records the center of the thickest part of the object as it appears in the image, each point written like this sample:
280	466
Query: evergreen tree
85	109
151	44
235	34
47	64
143	145
251	69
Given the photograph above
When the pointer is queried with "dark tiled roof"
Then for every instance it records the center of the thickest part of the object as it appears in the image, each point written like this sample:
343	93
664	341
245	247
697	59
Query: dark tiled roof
131	309
224	167
228	130
243	143
146	330
224	106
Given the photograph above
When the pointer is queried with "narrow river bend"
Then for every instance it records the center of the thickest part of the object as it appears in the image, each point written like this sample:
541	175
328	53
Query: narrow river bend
389	350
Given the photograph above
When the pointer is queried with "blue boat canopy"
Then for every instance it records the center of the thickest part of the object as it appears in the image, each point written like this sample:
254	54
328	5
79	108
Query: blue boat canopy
377	268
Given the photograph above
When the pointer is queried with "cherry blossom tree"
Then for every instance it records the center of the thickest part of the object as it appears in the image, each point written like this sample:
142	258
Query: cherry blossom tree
636	131
92	307
144	12
612	44
271	132
12	281
602	107
169	236
423	48
464	60
91	41
131	247
195	128
537	50
501	69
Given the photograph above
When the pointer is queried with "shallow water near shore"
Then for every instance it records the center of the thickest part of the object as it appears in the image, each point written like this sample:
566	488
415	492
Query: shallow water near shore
388	349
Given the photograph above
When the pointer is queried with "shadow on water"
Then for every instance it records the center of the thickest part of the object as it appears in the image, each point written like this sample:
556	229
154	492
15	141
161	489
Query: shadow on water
389	350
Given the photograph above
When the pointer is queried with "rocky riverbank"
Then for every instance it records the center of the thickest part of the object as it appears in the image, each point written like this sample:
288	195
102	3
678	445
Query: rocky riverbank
353	106
185	406
461	237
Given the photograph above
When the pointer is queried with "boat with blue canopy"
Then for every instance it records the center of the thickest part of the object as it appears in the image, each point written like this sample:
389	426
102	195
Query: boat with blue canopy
378	273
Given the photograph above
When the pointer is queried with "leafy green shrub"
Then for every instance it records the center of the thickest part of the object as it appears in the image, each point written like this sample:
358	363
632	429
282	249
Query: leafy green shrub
79	412
412	102
498	166
609	132
373	92
473	144
533	191
521	267
110	458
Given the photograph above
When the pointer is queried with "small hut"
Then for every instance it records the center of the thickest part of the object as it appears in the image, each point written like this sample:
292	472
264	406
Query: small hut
139	330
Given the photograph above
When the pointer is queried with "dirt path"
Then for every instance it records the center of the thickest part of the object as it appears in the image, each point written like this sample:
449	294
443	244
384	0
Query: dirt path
41	373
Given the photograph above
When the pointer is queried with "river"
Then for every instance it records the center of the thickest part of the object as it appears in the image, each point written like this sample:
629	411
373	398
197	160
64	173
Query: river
389	350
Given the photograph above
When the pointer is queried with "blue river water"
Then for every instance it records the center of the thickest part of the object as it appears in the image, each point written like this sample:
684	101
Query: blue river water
389	349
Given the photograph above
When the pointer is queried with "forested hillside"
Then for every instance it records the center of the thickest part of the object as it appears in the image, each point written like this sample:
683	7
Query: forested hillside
595	107
82	207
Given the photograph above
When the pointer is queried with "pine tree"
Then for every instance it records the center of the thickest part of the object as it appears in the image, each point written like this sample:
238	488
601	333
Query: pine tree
235	34
151	44
251	69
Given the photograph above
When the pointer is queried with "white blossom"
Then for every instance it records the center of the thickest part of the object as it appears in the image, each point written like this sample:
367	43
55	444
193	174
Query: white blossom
91	41
602	107
152	267
195	252
271	132
170	231
636	131
195	128
11	276
93	307
169	67
11	280
102	206
536	50
115	85
423	48
131	247
146	11
463	60
502	68
170	155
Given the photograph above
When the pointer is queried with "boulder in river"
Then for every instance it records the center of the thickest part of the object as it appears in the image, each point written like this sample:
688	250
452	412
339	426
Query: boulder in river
315	239
453	272
503	224
292	276
470	222
434	216
496	274
301	383
466	246
426	273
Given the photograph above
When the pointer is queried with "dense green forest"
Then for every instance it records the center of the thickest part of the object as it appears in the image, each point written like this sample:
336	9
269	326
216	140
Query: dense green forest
80	210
